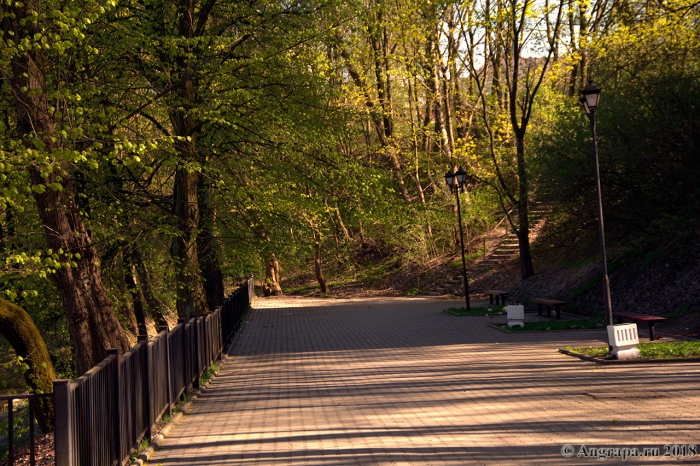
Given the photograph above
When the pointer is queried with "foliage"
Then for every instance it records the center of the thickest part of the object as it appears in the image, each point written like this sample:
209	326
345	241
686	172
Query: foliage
650	350
592	351
208	374
646	125
580	324
332	123
475	311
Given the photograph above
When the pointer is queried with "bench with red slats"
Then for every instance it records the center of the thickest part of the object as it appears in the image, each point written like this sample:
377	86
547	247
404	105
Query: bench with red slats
638	318
550	303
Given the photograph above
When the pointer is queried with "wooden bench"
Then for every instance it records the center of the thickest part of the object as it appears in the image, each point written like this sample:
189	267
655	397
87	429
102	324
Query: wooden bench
498	294
638	318
550	303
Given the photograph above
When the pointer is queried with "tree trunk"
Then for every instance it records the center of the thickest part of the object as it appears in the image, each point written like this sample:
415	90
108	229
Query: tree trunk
449	133
208	249
526	268
272	278
317	268
144	282
363	240
136	299
346	233
19	330
124	287
191	297
91	319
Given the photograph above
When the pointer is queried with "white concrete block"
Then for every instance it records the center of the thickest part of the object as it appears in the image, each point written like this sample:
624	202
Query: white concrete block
624	340
516	315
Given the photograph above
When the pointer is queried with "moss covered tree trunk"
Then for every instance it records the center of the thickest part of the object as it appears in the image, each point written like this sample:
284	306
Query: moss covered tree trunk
19	330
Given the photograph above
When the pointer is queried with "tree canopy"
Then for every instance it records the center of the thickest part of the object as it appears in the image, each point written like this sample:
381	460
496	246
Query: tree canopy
154	153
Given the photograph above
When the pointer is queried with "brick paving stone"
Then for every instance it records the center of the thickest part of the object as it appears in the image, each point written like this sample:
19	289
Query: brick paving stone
394	381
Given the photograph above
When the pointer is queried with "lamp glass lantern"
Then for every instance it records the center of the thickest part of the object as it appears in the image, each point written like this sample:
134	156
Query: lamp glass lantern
461	176
450	178
590	95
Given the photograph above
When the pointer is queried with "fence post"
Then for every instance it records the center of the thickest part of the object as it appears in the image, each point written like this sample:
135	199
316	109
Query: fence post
63	414
32	413
195	384
166	329
183	347
116	405
146	387
220	354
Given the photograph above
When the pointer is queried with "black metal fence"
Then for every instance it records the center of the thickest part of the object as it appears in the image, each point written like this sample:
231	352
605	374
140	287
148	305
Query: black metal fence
235	307
103	415
12	412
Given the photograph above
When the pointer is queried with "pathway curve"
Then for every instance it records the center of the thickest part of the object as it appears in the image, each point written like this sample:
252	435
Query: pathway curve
394	381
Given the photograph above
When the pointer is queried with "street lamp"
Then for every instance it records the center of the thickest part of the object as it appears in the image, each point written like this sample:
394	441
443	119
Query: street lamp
455	181
590	95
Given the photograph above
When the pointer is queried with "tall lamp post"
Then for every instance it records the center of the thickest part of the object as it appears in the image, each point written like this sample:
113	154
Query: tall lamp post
590	95
455	181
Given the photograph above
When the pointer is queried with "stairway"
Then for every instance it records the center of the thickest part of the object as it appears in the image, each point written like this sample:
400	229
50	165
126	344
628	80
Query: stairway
454	285
504	249
507	248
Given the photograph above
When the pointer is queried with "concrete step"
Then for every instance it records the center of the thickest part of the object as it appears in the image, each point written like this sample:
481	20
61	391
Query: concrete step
488	263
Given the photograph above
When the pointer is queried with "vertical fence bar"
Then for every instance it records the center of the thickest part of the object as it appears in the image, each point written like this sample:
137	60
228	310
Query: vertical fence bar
32	460
166	329
115	454
63	425
195	383
11	430
183	354
146	385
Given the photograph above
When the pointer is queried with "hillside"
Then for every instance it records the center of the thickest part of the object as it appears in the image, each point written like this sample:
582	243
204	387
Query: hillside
658	278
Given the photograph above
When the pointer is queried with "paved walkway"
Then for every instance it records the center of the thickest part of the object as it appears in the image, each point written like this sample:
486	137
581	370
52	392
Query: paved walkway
394	381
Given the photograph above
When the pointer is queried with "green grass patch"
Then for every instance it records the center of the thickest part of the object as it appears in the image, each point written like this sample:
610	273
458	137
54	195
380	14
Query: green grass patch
208	374
557	325
375	272
651	350
591	351
143	444
474	311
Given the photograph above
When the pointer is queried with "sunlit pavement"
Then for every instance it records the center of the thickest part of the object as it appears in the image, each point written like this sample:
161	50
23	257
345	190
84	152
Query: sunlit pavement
395	381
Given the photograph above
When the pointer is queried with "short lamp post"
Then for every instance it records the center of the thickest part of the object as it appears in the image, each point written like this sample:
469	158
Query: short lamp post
590	95
455	181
